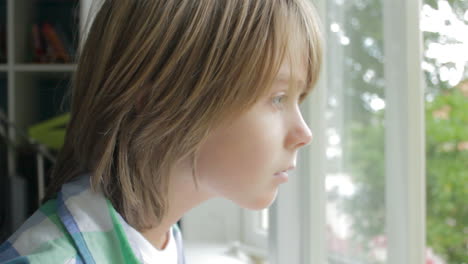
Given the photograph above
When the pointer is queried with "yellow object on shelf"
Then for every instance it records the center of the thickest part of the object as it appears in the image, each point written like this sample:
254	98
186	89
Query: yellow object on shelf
50	133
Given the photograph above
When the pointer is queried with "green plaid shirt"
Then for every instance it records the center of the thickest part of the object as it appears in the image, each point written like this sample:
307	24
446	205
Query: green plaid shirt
78	226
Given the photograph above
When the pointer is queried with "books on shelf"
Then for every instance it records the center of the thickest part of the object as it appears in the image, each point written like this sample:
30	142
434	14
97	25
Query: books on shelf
50	44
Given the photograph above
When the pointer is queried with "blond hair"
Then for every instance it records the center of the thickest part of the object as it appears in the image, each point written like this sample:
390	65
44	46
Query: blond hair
155	77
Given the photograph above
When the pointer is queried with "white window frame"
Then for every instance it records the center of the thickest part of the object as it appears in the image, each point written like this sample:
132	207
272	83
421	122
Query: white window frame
216	221
252	235
298	235
405	137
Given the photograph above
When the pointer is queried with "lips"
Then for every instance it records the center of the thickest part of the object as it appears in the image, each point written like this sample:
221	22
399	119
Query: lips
283	175
292	167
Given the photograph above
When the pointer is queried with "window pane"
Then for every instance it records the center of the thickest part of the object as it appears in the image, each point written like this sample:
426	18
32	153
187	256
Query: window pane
445	27
355	180
264	220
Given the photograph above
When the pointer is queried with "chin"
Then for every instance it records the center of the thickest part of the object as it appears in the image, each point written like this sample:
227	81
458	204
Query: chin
260	202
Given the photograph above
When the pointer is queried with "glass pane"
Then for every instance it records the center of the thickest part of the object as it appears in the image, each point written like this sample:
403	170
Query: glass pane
445	27
264	220
355	180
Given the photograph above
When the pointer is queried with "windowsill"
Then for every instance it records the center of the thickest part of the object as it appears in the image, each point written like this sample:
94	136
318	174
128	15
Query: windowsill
211	253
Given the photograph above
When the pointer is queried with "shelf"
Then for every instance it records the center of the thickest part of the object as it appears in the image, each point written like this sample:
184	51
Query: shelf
35	37
44	67
42	94
62	18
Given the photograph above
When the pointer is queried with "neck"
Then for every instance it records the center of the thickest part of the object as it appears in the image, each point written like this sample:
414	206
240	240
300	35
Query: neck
158	241
182	198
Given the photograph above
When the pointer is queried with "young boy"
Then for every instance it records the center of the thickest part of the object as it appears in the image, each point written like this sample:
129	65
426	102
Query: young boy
173	103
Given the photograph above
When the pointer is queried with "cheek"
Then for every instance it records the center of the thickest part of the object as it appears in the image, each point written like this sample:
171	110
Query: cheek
238	158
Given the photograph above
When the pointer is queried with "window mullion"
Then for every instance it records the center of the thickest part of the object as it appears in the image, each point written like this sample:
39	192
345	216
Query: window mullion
311	165
311	169
285	229
405	133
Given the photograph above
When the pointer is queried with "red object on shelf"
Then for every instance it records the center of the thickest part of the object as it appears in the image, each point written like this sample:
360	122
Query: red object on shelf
59	52
39	52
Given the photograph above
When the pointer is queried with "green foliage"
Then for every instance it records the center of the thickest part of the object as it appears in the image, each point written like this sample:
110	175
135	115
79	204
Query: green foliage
446	171
367	168
447	175
363	142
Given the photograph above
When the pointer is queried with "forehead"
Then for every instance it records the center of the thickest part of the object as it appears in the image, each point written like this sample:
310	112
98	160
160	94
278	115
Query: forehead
296	74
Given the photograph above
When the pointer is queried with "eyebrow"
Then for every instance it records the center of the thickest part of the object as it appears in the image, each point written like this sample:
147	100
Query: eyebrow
285	78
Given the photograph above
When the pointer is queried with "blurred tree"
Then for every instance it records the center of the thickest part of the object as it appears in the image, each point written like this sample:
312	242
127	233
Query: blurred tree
447	174
359	36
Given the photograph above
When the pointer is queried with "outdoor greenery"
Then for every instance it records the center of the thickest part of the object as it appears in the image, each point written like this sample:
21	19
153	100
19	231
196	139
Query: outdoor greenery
364	135
446	171
447	174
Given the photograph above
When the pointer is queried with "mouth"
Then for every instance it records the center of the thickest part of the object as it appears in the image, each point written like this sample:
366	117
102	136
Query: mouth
292	167
283	175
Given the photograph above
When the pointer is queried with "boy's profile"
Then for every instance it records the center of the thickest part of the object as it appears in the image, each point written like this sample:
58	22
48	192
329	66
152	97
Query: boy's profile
174	102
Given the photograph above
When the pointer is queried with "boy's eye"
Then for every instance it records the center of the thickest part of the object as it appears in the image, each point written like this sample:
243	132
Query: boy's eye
279	99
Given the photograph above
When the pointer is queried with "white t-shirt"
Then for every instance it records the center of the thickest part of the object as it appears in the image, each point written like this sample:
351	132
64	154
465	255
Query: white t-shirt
145	251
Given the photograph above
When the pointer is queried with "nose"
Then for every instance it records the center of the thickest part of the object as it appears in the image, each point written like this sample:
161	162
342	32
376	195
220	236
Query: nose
299	134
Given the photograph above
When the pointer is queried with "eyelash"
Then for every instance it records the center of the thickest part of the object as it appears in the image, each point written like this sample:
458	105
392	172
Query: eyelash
279	97
285	97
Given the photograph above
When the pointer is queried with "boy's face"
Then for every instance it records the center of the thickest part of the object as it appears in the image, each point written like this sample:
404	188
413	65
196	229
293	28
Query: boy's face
240	159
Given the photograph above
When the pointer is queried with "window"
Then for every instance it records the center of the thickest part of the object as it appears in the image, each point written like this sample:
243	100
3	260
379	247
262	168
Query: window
255	229
388	118
355	117
444	25
370	135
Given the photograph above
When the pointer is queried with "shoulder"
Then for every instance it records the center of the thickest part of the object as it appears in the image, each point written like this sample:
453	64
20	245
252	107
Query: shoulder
40	239
50	257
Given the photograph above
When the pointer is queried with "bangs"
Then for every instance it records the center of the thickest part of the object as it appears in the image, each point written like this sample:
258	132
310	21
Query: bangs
303	41
290	34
